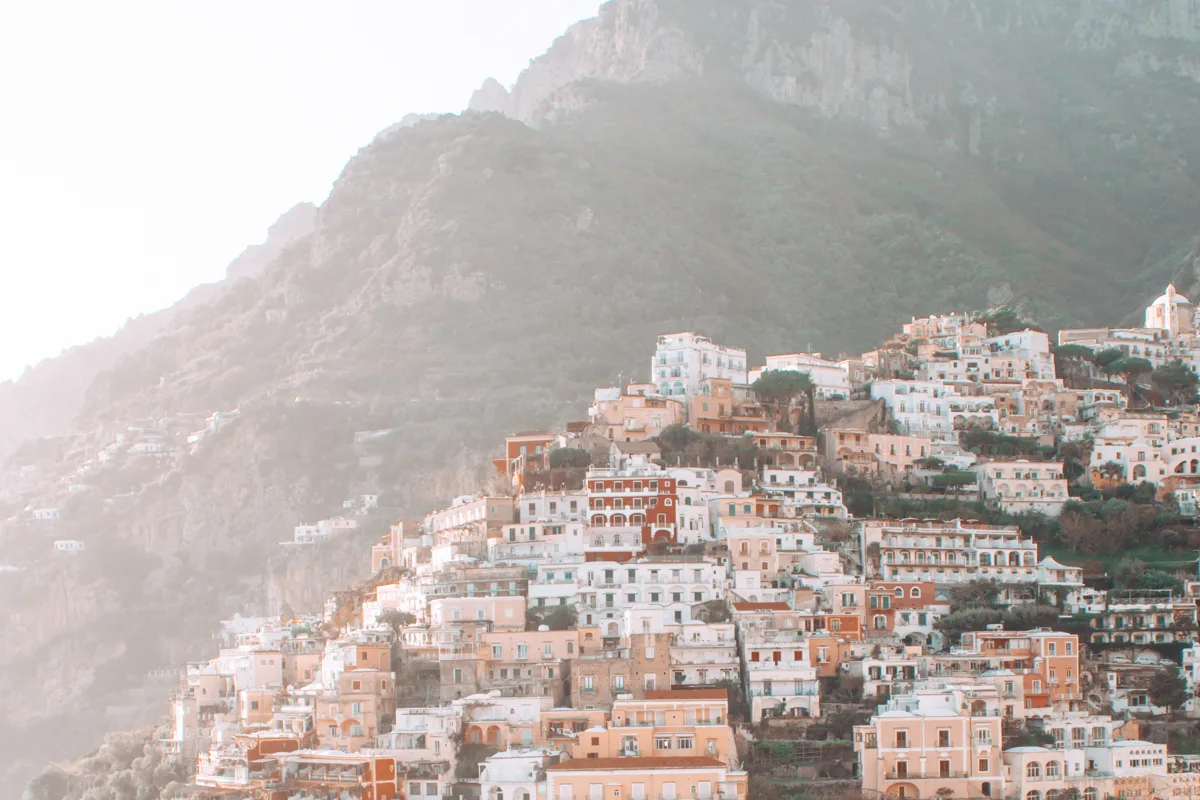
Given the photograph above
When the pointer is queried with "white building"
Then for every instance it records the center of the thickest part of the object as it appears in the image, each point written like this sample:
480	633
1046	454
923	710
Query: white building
832	378
1137	444
1021	485
778	676
565	506
516	774
934	410
682	360
703	653
950	551
69	546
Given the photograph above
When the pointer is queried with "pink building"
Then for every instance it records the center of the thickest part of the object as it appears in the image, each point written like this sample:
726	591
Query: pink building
925	746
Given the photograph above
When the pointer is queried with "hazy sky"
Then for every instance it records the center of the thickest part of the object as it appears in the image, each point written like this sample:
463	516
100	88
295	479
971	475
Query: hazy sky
144	144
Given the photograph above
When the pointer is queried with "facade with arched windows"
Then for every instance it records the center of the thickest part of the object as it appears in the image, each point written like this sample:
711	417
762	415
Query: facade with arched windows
639	501
1088	766
1020	485
950	551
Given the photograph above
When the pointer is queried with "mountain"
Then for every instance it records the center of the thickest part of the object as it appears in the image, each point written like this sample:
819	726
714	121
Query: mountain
774	174
46	398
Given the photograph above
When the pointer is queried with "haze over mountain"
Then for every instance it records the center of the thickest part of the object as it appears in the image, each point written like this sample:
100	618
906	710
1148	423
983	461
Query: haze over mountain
783	173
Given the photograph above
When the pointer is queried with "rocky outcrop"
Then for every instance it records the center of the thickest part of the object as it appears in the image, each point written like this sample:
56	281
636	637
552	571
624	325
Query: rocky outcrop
296	223
488	98
833	58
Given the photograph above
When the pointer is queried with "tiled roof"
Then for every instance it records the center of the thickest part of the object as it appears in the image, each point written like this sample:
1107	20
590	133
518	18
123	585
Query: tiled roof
641	763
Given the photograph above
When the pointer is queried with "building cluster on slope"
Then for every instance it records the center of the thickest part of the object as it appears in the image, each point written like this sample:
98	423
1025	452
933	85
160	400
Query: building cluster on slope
619	612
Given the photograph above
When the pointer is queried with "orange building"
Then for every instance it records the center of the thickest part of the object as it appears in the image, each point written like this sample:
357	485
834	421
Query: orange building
719	408
645	778
665	724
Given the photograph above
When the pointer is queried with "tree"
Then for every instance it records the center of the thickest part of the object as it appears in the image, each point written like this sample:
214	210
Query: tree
1005	320
1112	470
1080	532
396	619
1131	369
1176	381
974	593
1128	573
1168	689
1073	362
1105	358
570	458
677	438
556	618
780	388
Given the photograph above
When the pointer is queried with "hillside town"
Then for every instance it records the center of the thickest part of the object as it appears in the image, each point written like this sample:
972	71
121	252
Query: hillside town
898	574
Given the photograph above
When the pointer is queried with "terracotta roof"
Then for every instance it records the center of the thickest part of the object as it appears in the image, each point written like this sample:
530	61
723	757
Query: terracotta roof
761	607
642	763
687	694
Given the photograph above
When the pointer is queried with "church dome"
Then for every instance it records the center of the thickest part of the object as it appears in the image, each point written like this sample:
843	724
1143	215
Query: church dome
1171	297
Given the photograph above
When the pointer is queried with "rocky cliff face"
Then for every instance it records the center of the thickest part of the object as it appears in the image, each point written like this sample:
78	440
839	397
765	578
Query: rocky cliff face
838	59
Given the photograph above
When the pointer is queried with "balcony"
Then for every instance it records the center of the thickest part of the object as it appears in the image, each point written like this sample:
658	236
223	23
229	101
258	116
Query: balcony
930	775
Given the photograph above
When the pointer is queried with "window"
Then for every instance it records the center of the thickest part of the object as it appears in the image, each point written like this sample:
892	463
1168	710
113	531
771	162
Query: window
619	683
662	742
984	765
943	737
685	743
944	769
901	739
497	651
916	592
1052	770
589	683
1033	770
457	675
522	651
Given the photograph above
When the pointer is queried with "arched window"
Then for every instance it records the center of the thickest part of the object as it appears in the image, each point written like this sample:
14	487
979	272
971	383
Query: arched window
1090	793
687	501
985	559
880	622
915	592
729	486
899	591
1052	770
1033	770
1033	794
